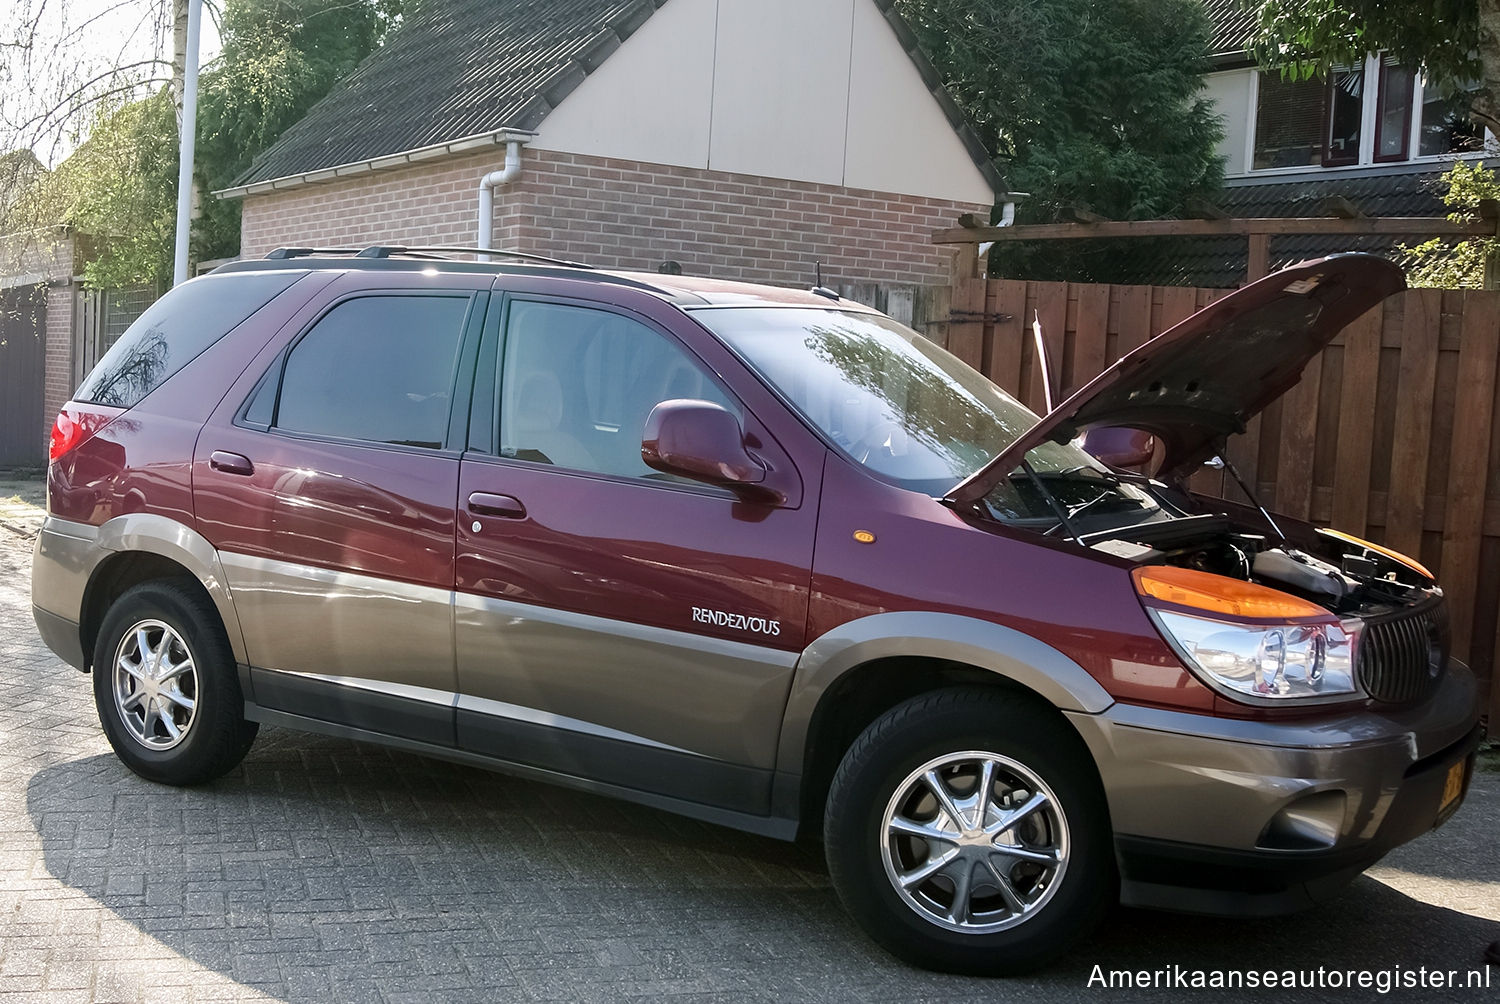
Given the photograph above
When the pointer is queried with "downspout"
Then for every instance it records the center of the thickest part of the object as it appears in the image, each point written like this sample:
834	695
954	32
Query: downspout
1007	219
487	186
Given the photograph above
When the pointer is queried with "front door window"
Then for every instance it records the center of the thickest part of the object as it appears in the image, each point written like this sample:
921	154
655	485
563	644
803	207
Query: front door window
578	383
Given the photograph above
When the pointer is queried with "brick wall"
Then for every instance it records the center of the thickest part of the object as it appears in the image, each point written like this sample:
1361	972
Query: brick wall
624	214
58	382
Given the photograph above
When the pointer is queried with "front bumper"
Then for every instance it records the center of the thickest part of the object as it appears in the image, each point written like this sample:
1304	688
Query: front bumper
1215	815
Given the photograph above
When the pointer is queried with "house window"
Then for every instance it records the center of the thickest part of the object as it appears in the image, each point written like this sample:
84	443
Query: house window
1301	123
1377	113
1346	104
1446	126
1393	112
1290	122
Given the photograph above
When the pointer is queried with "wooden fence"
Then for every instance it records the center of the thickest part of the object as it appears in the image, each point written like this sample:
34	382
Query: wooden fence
1390	435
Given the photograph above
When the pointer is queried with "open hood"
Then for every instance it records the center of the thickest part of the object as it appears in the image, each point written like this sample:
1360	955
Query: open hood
1201	381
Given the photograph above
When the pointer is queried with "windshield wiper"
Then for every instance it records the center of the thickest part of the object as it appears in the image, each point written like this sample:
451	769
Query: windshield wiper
1057	507
1122	499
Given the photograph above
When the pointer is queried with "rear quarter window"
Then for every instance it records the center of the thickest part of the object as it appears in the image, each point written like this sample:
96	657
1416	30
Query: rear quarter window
174	331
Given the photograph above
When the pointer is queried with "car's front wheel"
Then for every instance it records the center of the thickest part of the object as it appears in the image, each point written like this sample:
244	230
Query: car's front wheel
965	831
166	687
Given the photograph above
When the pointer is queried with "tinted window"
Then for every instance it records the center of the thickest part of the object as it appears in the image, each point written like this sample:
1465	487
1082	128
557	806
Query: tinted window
262	406
378	368
174	331
578	384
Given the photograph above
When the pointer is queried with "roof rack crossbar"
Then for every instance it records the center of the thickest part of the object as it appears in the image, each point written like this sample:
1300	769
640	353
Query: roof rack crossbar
387	250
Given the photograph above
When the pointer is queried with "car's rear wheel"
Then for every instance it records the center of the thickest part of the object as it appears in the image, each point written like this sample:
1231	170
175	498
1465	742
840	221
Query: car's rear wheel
966	831
166	687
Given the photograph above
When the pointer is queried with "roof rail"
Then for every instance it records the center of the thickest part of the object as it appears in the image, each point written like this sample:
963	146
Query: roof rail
304	252
387	250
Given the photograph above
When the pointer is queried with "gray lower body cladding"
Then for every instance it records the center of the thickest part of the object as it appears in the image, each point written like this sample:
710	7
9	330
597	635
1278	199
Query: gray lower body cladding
1216	815
61	635
1211	880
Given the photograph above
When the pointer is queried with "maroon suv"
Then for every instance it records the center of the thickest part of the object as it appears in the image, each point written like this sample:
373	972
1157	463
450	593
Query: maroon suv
766	558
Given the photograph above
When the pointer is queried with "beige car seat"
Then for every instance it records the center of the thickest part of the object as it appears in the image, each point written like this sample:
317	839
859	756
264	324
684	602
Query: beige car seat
538	420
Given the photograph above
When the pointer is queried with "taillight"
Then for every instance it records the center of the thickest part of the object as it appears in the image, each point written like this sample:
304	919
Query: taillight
76	424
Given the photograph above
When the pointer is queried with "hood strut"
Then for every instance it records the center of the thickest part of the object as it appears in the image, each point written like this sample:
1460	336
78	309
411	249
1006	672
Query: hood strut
1249	494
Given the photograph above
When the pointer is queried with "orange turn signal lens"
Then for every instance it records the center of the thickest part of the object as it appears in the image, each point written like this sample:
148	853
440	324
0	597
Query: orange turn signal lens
1220	594
1396	556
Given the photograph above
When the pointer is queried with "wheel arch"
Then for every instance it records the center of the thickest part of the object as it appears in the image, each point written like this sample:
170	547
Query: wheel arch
855	673
142	547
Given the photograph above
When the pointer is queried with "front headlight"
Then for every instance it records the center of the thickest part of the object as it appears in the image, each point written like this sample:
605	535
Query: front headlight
1264	643
1265	660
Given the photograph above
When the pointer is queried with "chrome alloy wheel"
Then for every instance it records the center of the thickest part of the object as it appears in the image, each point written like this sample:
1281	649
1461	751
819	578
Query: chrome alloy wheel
155	685
974	842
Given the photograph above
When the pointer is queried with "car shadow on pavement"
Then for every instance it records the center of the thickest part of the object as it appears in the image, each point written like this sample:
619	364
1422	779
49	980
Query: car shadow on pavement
326	869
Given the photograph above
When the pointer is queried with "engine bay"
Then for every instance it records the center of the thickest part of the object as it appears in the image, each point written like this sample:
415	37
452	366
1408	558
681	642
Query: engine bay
1340	575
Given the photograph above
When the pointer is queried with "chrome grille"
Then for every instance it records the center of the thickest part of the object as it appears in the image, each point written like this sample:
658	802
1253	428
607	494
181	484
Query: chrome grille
1402	655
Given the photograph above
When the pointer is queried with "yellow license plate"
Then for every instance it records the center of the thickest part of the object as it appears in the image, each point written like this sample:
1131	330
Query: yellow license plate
1453	787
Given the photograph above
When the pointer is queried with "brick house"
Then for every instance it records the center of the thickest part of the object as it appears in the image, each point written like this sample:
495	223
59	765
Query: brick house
740	138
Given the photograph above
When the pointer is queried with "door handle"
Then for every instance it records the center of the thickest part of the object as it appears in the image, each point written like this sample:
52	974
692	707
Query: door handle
230	463
485	504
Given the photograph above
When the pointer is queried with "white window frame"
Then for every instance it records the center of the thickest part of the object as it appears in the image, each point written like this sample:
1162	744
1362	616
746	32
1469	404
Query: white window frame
1368	114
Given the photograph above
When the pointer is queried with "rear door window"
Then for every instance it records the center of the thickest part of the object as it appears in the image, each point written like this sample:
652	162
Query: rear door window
376	368
175	330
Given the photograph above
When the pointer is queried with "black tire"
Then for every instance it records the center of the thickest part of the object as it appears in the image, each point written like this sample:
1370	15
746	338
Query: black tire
213	735
1023	740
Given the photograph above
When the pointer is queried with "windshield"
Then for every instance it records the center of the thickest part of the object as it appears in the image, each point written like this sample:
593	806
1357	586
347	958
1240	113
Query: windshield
903	407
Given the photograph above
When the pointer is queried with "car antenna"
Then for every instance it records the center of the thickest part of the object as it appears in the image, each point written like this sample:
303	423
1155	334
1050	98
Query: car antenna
818	286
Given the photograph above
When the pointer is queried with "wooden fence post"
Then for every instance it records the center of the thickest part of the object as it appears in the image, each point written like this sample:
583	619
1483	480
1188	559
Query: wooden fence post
1258	261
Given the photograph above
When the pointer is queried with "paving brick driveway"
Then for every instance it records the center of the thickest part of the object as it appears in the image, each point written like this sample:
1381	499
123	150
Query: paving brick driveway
326	870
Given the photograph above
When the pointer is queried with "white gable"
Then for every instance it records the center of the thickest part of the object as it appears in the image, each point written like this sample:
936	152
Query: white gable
810	90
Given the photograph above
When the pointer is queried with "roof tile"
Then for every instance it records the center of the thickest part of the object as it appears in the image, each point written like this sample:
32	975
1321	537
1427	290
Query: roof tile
459	68
1233	24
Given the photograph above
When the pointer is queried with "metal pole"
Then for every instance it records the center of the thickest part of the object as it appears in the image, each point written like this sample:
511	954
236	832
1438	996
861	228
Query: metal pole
187	142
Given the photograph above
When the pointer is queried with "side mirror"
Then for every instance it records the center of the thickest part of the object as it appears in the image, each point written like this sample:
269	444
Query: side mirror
1122	449
699	440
